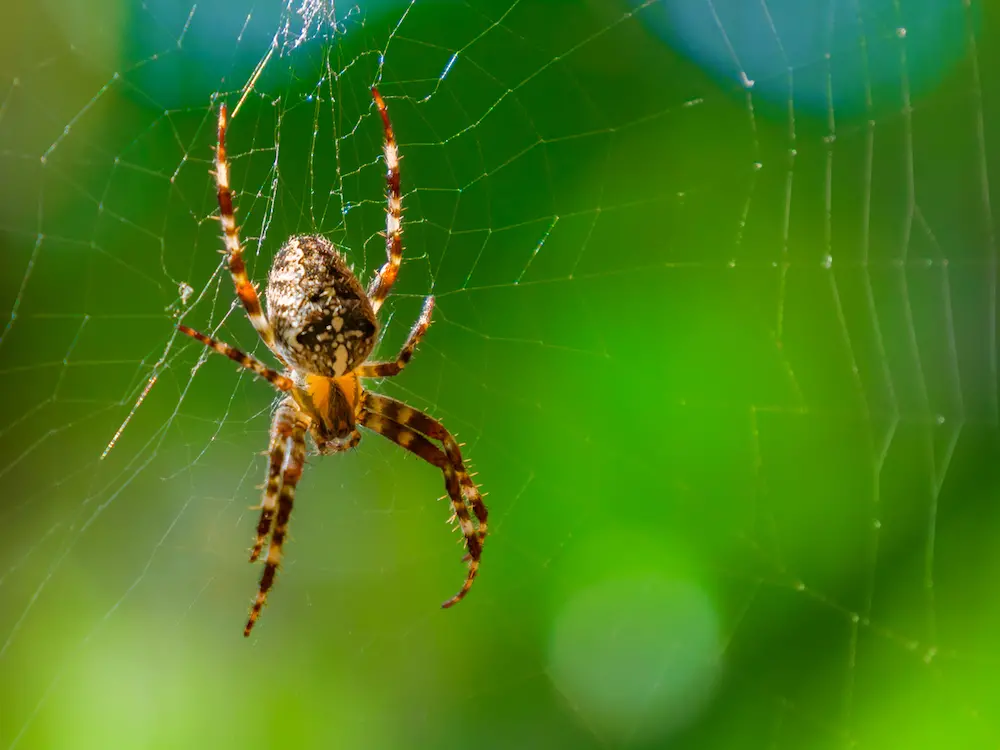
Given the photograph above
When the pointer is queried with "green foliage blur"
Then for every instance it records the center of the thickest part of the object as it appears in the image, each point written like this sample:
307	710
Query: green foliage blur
728	373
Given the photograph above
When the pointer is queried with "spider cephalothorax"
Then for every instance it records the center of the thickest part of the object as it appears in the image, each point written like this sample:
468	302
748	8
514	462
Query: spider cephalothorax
321	325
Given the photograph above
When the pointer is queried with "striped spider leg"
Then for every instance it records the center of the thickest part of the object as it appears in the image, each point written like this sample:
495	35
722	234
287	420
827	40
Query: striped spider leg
382	283
234	249
413	430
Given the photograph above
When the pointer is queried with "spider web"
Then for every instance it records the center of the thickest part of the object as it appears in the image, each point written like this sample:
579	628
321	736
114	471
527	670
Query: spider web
716	322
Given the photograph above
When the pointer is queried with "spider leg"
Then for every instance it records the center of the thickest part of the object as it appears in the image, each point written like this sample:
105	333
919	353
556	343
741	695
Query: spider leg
411	429
279	381
388	369
291	473
386	277
282	429
227	217
410	417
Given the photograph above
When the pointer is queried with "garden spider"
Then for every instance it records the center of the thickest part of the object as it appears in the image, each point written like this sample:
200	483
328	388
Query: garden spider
321	325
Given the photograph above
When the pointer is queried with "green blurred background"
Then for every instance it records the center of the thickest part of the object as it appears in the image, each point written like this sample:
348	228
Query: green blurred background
724	356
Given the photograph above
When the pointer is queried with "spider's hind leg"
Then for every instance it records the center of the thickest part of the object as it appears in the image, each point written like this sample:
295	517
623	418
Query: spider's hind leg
234	249
382	283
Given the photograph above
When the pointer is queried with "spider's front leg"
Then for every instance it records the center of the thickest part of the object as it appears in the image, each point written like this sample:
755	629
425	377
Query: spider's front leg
290	430
282	431
410	429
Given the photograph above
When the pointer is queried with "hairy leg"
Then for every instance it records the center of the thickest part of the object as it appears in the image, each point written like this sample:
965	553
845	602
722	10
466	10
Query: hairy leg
410	417
292	472
388	369
282	430
408	438
234	250
386	277
275	378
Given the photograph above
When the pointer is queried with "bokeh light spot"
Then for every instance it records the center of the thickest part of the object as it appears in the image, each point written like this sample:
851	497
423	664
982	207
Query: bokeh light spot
637	657
850	55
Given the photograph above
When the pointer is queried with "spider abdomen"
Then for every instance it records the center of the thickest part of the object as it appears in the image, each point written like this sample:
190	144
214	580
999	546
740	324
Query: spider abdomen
323	322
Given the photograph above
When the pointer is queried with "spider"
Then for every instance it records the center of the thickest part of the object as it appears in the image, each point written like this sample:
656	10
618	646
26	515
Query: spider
321	324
